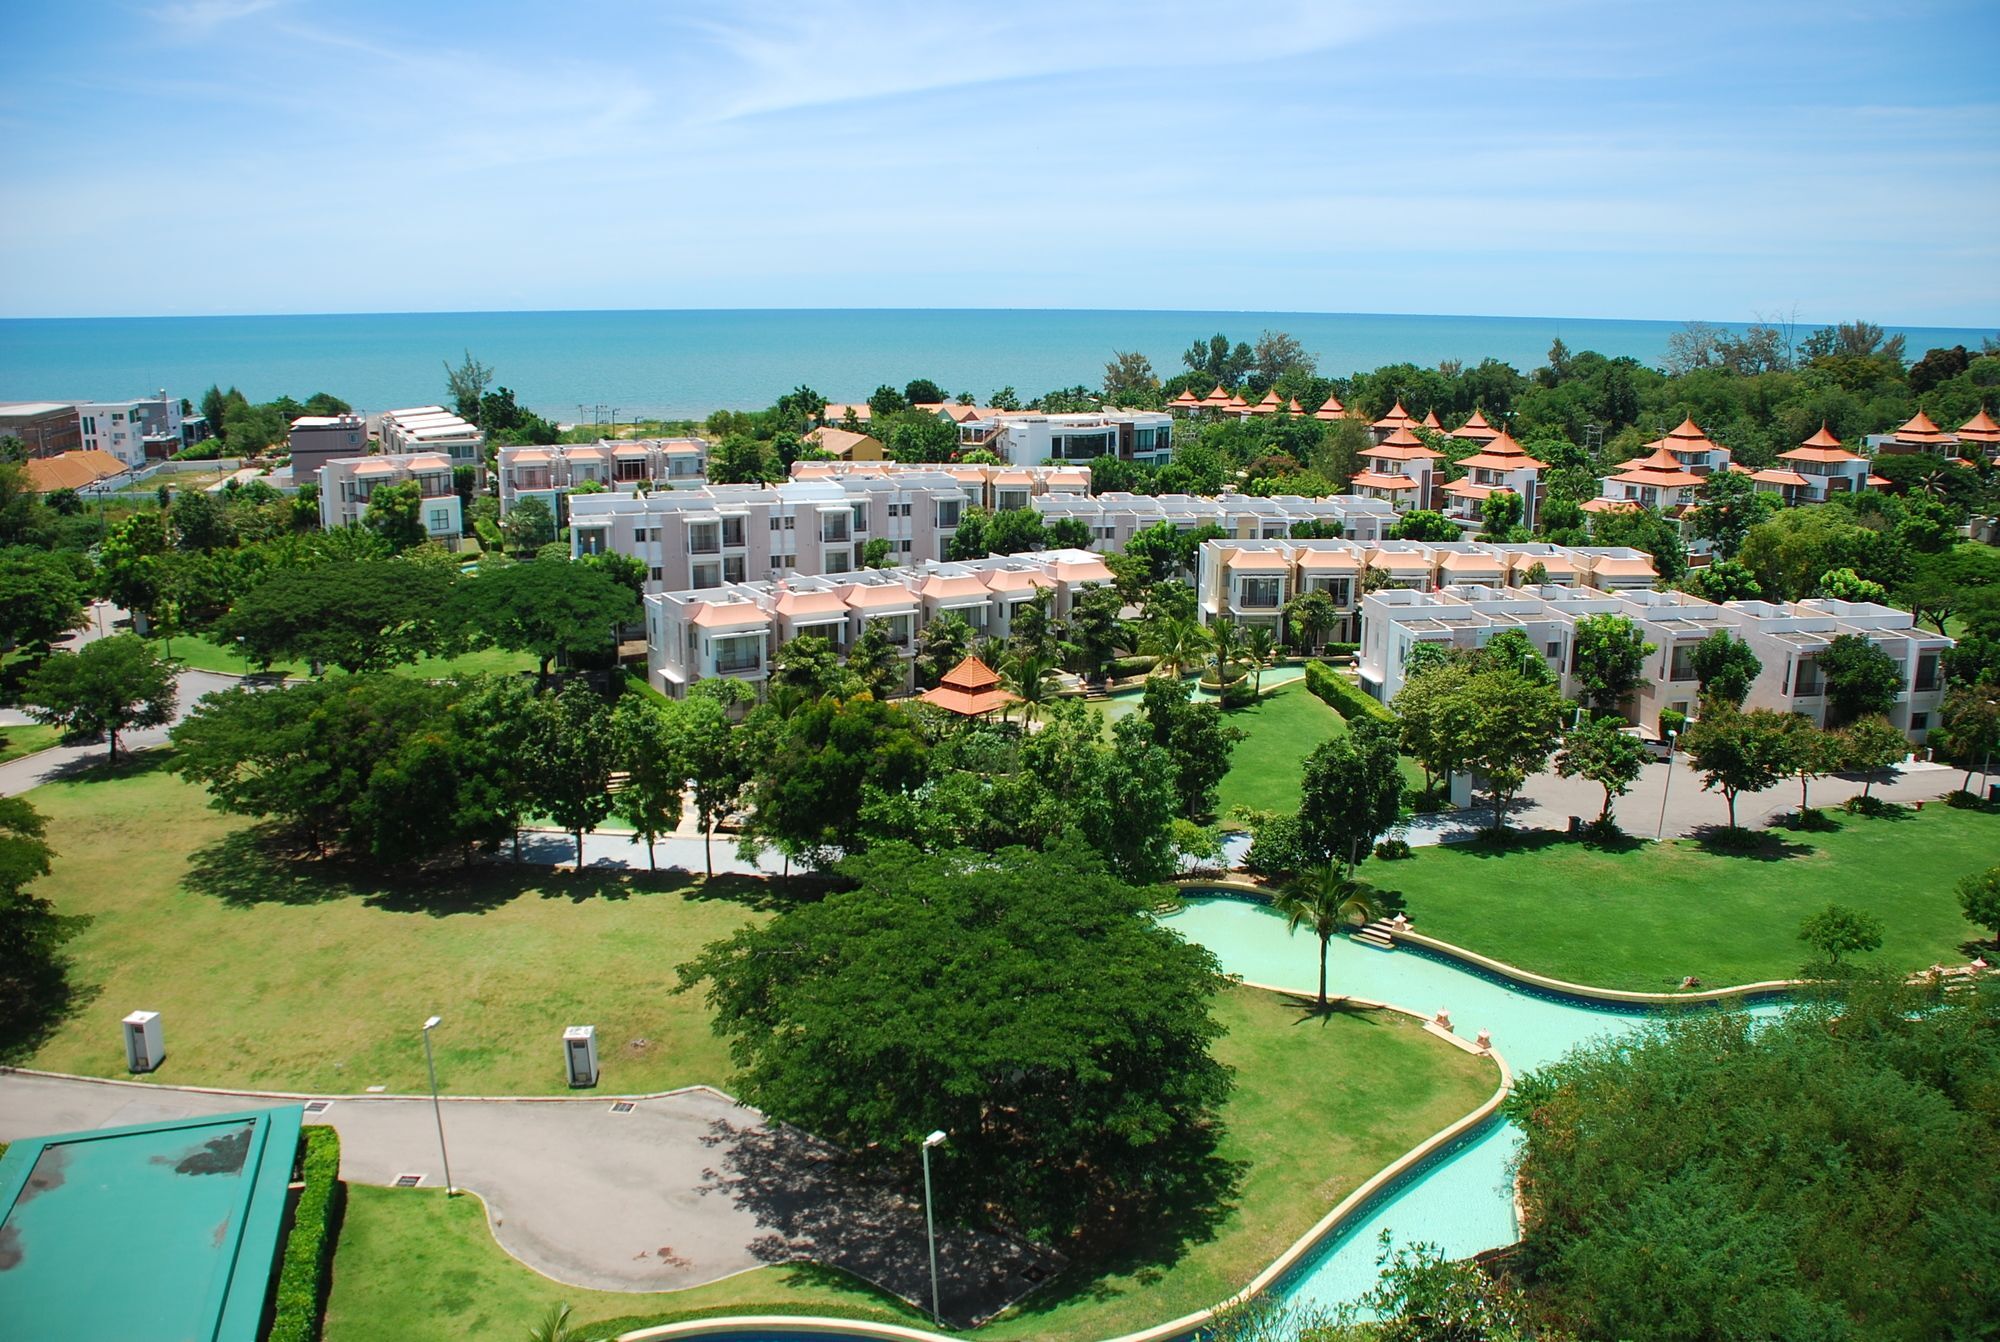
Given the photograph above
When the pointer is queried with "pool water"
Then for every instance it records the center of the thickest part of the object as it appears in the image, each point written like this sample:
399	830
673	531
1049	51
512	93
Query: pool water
1463	1202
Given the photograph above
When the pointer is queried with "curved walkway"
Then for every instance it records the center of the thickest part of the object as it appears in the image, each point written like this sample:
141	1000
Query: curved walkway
688	1187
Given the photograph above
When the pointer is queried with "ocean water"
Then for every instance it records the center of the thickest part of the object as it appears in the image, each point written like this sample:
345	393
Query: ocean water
687	363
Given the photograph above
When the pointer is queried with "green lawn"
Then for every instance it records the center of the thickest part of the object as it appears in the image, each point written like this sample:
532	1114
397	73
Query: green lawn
1644	916
203	655
18	741
285	976
410	1269
1283	728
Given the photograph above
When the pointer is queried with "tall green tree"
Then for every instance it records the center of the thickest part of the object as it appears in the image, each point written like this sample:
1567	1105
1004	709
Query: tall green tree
395	513
1740	752
1860	678
1325	899
1019	1002
528	525
35	990
1350	794
552	609
1514	725
1193	735
808	791
358	615
569	751
1610	656
110	686
1604	753
646	749
40	599
1436	719
1725	667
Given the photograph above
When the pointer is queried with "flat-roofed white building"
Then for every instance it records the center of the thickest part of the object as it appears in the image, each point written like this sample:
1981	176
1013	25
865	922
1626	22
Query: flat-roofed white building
346	485
432	428
136	431
985	486
622	466
735	629
1033	438
1114	517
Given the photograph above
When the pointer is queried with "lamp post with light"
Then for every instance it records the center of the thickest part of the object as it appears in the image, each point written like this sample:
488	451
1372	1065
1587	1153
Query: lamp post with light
437	1110
1661	829
930	1225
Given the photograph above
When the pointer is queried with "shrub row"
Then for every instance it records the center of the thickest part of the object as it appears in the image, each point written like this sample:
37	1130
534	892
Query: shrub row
1133	666
300	1300
1347	700
488	532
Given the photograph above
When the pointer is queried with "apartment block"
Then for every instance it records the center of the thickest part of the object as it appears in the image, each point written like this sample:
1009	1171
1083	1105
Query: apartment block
1786	638
318	439
431	428
45	428
347	484
150	428
1031	438
990	487
624	466
702	539
733	630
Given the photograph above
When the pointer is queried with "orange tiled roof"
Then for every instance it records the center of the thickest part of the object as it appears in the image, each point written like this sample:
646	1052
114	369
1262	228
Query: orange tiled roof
1475	429
1502	453
1331	408
1318	558
1402	445
970	689
1270	405
1378	480
1606	505
1220	396
71	470
1920	430
1776	477
1979	429
730	614
1396	418
1292	407
1431	421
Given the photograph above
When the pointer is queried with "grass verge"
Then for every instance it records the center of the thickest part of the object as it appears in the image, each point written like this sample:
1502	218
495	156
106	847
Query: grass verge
1639	915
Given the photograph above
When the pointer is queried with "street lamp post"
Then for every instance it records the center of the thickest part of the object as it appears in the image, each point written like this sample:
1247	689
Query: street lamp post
930	1225
437	1110
1661	829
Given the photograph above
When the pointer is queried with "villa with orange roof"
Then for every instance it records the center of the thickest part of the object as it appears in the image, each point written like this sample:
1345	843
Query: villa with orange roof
627	465
1918	434
845	445
1476	429
1399	470
1980	436
1397	418
1667	477
1501	466
1816	470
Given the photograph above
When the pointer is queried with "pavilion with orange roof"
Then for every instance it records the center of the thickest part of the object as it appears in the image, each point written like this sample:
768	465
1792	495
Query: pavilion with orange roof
1476	429
1431	421
1270	405
970	690
1330	409
1184	404
1919	434
1657	480
1980	434
1815	469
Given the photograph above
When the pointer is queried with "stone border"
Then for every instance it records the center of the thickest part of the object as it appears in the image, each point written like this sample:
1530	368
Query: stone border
590	1096
1585	991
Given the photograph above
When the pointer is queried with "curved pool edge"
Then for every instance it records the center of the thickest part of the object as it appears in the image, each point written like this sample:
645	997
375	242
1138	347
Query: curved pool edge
1360	1200
1584	992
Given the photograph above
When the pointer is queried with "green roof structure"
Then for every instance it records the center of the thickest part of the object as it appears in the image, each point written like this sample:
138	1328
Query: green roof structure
166	1230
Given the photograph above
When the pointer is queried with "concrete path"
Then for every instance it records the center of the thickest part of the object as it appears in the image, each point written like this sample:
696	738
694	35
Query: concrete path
686	1188
58	762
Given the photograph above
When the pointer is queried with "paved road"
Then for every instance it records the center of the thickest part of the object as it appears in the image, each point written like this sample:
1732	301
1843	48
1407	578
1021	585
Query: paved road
687	1188
31	771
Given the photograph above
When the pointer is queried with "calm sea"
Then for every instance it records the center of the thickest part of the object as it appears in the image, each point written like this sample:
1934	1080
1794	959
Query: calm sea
686	363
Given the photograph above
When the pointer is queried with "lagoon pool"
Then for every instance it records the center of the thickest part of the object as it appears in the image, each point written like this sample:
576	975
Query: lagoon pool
1463	1200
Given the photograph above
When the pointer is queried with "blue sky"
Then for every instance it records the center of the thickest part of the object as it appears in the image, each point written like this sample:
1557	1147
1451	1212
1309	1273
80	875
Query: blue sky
1595	158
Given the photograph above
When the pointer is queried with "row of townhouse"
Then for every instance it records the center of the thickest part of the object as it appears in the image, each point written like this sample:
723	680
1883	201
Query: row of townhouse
1114	517
145	428
1249	583
734	630
624	466
346	484
817	524
1787	637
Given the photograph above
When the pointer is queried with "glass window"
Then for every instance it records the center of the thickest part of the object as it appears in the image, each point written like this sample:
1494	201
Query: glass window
707	575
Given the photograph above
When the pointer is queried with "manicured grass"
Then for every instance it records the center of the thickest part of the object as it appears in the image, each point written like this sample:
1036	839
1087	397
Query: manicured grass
296	976
1645	915
414	1267
1283	727
18	741
201	654
410	1269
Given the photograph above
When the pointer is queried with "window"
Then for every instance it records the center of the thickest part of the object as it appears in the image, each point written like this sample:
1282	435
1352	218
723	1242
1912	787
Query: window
704	538
833	526
656	574
732	568
1259	593
774	521
742	652
440	519
1554	648
904	545
1808	681
839	560
707	575
732	532
947	513
640	535
790	522
860	517
1920	722
1927	671
1682	665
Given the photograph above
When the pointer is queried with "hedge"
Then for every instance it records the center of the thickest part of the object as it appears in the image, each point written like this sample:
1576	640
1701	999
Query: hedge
1347	700
488	532
299	1302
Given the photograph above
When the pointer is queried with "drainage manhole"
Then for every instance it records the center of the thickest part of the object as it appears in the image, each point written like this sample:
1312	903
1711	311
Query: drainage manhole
408	1180
318	1106
1034	1272
623	1107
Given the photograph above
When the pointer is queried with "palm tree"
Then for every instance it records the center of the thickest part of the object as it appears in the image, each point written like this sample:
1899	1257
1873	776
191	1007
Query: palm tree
1261	641
1032	679
1326	899
1228	645
1175	640
554	1327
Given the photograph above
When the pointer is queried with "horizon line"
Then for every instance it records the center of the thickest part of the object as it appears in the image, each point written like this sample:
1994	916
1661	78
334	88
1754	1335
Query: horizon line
1781	321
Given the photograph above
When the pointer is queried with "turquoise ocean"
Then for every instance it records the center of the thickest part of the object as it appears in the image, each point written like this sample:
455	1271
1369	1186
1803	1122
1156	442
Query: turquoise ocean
687	363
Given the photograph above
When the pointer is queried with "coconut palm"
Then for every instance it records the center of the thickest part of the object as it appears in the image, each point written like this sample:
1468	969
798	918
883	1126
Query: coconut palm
1227	643
1326	899
1175	640
554	1327
1261	642
1031	678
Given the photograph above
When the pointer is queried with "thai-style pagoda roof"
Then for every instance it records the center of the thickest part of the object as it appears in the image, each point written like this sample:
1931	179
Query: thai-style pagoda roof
969	690
1979	429
1331	408
1476	429
1397	418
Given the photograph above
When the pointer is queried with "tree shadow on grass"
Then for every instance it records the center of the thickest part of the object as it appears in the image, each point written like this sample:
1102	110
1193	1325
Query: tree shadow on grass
1756	845
96	768
1511	841
1306	1009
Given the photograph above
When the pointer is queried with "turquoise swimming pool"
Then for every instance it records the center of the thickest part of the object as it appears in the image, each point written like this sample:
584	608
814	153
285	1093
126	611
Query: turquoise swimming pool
1462	1200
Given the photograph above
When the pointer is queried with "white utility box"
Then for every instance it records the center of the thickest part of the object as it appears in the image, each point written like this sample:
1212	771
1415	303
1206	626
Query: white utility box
143	1049
580	1054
